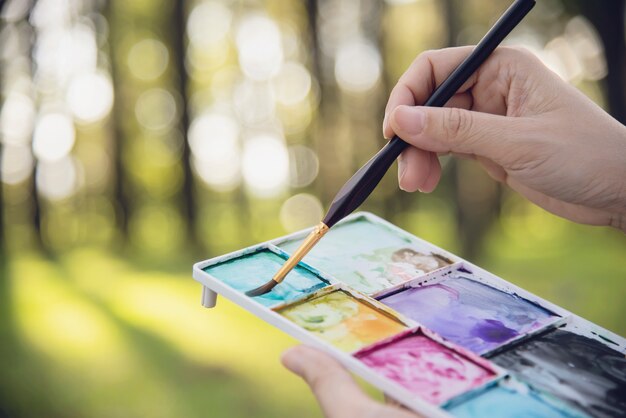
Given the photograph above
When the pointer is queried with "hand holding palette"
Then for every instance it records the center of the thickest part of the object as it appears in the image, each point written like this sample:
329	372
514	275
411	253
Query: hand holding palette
438	334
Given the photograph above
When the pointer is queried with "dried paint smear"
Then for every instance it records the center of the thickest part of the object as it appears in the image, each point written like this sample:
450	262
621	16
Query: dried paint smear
432	371
343	321
503	402
252	270
368	256
579	370
469	313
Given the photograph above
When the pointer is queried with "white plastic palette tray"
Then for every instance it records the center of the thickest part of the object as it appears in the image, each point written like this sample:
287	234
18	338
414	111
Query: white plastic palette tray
423	295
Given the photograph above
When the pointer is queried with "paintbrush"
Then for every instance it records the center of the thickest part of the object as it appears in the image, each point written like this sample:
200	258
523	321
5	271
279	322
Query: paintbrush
363	182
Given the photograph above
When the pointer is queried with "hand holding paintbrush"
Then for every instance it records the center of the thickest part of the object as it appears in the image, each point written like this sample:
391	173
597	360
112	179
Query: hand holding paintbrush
361	185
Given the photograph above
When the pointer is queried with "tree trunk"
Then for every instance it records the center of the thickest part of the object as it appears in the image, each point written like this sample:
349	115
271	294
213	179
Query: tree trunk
473	216
122	204
36	204
608	18
179	49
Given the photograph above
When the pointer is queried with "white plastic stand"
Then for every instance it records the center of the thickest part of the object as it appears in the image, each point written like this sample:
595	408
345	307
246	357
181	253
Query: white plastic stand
209	297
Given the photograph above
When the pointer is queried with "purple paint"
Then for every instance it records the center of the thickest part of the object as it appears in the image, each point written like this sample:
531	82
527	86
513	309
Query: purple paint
469	313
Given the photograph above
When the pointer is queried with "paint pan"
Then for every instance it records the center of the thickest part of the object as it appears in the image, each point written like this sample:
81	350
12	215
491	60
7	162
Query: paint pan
252	269
370	255
512	399
345	321
472	314
579	370
427	368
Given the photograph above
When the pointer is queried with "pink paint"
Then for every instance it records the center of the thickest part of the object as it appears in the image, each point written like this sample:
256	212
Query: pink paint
425	367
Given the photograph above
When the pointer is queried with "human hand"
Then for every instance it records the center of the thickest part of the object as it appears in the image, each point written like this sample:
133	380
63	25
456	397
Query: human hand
337	393
527	127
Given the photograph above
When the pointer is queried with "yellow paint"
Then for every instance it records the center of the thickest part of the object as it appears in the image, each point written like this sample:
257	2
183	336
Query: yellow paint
343	321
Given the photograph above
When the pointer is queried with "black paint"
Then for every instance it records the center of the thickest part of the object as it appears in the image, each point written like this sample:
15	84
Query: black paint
579	370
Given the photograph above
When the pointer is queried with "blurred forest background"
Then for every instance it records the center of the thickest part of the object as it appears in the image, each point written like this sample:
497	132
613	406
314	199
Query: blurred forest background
138	137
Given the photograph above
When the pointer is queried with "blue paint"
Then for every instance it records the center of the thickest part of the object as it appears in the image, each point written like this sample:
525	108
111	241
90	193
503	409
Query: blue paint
252	270
503	402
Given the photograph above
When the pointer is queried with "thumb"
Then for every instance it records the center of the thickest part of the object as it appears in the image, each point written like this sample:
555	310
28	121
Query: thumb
463	131
338	394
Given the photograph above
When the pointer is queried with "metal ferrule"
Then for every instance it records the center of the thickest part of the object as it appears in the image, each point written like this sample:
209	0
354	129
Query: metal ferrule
309	242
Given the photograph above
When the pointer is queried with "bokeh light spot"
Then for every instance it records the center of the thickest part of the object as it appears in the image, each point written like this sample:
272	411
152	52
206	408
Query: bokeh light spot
57	180
265	165
300	211
259	46
214	142
16	163
17	118
357	66
90	97
54	136
254	102
293	84
208	24
148	59
303	166
156	109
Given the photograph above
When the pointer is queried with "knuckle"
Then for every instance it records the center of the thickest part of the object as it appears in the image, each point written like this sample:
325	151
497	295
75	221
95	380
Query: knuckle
426	55
456	123
514	50
519	53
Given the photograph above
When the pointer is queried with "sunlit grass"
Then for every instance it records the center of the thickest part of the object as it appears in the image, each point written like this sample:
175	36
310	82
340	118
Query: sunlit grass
117	341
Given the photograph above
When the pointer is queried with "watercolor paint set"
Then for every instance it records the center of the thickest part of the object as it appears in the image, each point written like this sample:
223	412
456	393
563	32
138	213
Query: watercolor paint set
431	330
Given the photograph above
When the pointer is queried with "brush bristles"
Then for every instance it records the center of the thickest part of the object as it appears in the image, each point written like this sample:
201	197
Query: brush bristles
309	242
261	290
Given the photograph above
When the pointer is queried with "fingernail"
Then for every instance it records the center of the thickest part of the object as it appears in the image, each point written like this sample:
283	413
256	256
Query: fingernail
410	119
385	122
401	170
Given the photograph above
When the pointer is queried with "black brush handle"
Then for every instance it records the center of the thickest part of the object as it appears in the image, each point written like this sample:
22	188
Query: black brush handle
364	181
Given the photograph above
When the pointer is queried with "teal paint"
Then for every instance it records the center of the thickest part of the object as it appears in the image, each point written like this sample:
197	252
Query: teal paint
251	270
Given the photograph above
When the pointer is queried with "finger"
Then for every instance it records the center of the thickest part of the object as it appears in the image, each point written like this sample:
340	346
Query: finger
435	174
426	72
459	100
504	140
414	168
422	171
431	68
400	95
337	393
494	170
